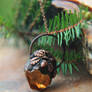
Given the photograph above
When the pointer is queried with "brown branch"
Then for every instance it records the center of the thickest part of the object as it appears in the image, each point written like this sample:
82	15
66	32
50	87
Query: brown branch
34	22
43	15
65	29
28	33
52	34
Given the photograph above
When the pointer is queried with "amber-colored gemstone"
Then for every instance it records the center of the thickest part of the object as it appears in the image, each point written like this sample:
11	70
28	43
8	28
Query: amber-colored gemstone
37	80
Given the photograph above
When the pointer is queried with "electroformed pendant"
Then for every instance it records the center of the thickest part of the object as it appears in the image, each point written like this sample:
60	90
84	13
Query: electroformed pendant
40	69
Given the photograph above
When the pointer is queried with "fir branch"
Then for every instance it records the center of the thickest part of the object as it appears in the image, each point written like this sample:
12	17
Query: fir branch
33	8
67	28
28	33
28	13
34	22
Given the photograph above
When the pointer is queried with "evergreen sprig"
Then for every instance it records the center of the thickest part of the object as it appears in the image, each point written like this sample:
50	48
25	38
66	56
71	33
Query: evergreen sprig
66	28
71	57
28	13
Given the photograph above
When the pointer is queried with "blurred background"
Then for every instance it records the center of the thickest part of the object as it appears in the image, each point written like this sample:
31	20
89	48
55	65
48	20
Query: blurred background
20	22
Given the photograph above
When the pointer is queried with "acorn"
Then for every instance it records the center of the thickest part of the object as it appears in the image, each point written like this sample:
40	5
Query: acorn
40	69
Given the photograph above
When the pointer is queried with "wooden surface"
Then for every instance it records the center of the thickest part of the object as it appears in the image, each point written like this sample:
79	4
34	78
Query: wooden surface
12	78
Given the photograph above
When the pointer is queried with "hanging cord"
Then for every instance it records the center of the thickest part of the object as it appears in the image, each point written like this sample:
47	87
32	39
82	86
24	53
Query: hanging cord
43	15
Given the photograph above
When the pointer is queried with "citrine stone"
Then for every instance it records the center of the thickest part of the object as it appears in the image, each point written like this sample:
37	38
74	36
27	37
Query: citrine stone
37	80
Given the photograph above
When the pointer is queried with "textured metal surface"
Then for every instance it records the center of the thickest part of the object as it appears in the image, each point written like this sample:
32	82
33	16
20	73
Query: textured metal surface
42	64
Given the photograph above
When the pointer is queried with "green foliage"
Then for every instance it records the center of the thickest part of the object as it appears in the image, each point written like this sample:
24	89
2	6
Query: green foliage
6	18
68	66
69	35
70	59
65	21
56	53
4	28
28	11
6	10
20	16
23	15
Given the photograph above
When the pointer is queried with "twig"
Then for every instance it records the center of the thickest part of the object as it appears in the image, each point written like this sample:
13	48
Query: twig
65	29
43	14
34	22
